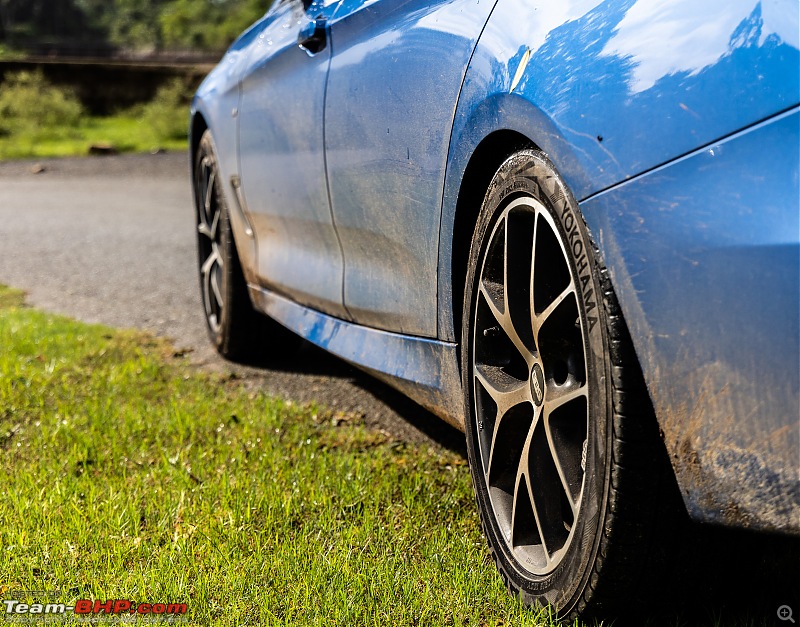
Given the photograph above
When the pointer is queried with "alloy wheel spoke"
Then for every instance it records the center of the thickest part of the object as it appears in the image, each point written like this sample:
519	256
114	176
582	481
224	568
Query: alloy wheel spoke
515	304
539	320
555	397
209	194
505	390
207	296
211	271
212	259
210	214
215	285
524	478
202	192
507	393
559	467
209	231
503	318
532	286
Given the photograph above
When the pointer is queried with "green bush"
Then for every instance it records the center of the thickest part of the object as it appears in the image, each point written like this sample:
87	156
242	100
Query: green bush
168	113
9	54
38	119
29	102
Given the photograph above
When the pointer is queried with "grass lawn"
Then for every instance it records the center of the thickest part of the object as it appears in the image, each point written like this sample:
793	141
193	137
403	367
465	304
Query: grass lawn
38	119
127	474
125	132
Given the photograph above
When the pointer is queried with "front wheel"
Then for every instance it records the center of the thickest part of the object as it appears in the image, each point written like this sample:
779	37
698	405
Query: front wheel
554	401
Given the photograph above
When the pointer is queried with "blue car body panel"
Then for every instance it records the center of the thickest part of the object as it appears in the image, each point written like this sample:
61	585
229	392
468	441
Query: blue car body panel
395	63
675	126
608	96
282	161
215	101
705	261
610	89
624	86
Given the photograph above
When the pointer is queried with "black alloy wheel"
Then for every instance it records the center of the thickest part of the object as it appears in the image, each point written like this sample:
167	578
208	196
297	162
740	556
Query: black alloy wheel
209	241
554	400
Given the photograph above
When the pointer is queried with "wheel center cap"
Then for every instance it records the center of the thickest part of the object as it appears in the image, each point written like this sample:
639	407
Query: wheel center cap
537	384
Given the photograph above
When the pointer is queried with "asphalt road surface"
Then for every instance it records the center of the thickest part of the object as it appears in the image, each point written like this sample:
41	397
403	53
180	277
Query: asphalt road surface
111	240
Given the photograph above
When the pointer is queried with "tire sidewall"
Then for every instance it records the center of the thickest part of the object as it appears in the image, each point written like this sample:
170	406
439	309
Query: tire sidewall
529	173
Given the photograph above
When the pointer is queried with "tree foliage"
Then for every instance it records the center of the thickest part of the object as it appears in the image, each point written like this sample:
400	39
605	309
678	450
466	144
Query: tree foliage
43	20
142	25
208	24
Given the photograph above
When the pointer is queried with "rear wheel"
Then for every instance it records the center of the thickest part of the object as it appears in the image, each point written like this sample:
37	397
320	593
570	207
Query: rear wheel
559	434
237	331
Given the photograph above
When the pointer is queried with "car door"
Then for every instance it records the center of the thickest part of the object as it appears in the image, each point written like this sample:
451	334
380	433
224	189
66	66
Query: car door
282	162
396	73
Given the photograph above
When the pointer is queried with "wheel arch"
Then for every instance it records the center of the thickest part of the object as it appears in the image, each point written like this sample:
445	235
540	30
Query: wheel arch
208	113
484	162
197	126
487	129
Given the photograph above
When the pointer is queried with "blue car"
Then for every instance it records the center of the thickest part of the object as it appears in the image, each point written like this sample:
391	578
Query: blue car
569	228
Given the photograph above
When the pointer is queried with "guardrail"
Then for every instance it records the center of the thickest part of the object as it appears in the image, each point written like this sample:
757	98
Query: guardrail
102	51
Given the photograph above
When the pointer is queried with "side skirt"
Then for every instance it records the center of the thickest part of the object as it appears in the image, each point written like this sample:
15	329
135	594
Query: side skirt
424	369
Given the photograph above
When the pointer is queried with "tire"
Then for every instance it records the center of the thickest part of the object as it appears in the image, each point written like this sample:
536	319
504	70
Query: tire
563	448
237	331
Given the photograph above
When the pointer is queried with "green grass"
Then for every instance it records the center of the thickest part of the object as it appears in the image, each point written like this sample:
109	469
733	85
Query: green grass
126	473
39	119
126	133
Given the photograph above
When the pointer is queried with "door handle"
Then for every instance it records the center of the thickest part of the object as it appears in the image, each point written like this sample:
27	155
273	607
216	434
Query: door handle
314	36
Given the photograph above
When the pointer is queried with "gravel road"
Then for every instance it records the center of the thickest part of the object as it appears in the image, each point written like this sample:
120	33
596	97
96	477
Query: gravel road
111	240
